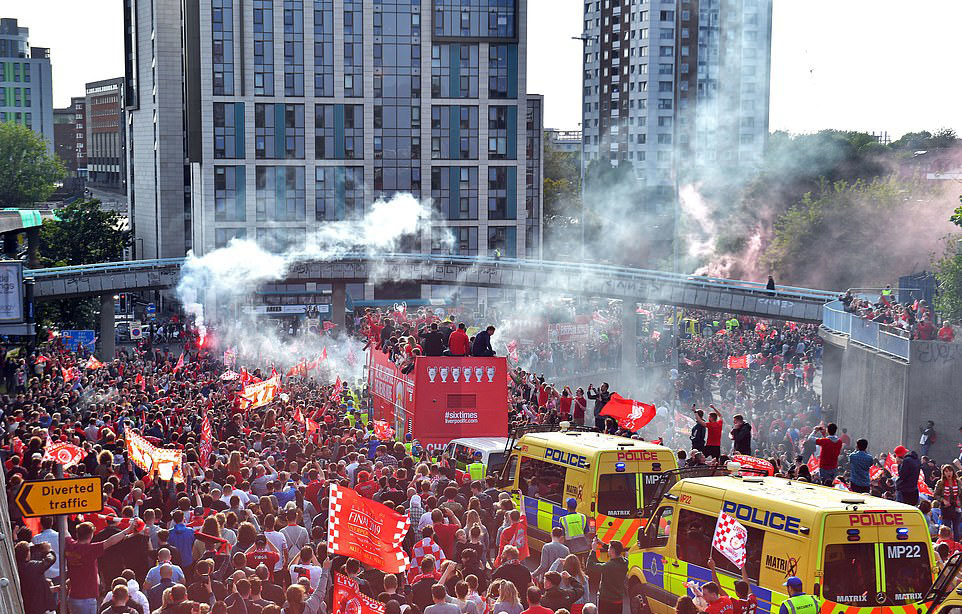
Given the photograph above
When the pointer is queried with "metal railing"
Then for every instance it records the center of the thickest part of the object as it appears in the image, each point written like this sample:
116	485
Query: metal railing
886	339
568	268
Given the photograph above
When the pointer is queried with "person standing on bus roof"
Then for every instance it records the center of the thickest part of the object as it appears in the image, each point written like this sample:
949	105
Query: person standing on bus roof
714	427
798	602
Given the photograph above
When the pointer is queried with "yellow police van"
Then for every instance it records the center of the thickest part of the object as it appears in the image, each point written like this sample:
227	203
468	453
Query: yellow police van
858	554
945	596
609	477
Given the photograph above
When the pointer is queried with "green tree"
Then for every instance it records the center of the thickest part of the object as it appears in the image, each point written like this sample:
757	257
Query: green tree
948	272
85	234
28	173
562	201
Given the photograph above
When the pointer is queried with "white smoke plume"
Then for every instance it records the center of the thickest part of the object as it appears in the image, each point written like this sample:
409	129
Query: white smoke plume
226	277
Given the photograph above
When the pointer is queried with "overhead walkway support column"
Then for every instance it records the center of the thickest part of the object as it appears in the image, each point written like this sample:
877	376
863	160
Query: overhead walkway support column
106	347
338	303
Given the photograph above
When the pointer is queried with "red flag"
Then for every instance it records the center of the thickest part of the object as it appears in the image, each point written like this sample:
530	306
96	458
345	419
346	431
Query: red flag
259	394
139	381
328	325
839	484
754	463
631	415
738	362
348	598
311	426
297	415
273	372
62	452
41	359
923	487
515	535
180	363
812	464
892	465
324	353
874	472
336	394
206	442
93	363
367	531
382	431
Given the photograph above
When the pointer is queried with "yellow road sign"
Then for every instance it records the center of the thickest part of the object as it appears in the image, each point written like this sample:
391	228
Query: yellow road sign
64	496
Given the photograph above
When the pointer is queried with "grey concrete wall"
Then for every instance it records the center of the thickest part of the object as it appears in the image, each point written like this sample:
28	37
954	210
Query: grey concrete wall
887	400
935	393
871	397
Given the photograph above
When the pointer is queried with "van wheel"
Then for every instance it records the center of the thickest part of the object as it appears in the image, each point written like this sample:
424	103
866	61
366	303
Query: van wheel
637	602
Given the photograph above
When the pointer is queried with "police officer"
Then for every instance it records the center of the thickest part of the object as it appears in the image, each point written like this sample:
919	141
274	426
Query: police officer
798	602
574	525
476	470
408	444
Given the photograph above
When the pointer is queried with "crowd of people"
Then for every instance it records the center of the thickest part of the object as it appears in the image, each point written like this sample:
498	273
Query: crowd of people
246	531
915	319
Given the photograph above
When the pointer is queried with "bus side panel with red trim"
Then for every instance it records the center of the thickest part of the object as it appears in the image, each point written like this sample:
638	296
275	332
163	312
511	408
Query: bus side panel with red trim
443	398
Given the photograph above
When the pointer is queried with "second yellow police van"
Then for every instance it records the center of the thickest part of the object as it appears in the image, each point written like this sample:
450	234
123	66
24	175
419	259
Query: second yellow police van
858	554
610	478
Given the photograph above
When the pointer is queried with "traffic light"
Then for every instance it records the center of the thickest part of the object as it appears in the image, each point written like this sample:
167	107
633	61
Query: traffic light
123	302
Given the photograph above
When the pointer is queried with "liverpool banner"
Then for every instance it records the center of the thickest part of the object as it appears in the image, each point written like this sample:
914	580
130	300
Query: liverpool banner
348	598
259	394
166	464
367	531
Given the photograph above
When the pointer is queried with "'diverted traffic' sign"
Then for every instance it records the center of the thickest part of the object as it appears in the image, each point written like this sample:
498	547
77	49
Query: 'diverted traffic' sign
62	496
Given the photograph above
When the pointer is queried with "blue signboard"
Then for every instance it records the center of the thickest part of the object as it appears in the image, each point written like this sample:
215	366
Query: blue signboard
74	339
151	310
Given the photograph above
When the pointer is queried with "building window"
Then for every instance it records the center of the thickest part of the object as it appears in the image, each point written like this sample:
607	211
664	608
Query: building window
293	47
499	192
502	71
222	50
502	238
279	131
323	47
263	47
353	48
228	130
223	236
454	71
280	193
502	126
339	131
229	194
488	19
339	193
454	132
454	191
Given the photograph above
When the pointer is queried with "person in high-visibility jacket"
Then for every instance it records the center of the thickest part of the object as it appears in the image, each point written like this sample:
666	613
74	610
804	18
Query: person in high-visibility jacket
798	602
408	444
477	470
574	525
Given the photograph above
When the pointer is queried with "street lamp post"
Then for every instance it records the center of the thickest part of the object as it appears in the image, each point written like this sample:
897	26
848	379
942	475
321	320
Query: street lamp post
585	39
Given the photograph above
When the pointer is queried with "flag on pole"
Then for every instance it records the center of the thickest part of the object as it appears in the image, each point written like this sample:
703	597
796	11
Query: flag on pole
348	598
259	394
739	362
206	442
367	531
730	539
62	452
515	535
631	415
165	463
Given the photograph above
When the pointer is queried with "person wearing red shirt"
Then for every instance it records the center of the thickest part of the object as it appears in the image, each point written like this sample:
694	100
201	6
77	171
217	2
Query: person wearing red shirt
946	334
81	557
564	404
744	601
444	532
366	487
829	449
714	427
458	342
580	404
263	551
534	602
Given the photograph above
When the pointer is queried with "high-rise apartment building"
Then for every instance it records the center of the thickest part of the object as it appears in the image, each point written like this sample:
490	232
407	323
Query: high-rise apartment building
289	114
106	135
676	86
64	139
26	94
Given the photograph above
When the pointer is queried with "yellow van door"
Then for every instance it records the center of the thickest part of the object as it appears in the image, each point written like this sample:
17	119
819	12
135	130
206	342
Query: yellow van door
875	559
618	498
542	487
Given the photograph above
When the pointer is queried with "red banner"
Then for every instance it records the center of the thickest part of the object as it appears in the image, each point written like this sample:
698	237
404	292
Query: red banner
348	598
874	472
754	463
259	394
812	464
367	531
163	462
443	398
206	442
515	535
631	415
738	362
62	452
